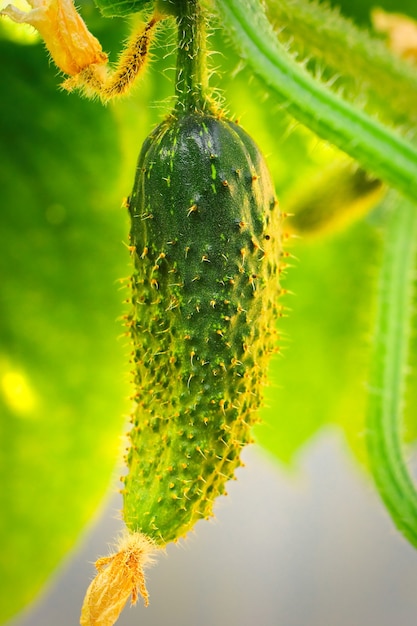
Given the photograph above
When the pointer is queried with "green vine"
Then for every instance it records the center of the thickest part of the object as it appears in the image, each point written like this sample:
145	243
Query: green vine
378	148
389	363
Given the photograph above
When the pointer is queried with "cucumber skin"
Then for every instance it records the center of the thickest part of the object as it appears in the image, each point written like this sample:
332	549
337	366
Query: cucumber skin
205	237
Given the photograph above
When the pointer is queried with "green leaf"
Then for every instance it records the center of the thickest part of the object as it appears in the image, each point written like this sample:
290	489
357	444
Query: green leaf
319	377
63	383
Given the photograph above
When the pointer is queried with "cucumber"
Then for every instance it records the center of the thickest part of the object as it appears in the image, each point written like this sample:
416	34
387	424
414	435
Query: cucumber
206	244
205	238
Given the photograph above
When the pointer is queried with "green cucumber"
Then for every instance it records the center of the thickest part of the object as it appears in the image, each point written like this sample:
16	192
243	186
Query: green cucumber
205	237
206	243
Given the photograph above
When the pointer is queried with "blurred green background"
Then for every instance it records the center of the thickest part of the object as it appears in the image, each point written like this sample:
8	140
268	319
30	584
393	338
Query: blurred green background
66	164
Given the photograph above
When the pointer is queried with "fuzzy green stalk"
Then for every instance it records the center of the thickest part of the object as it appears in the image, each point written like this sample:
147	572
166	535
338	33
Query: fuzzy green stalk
389	364
191	85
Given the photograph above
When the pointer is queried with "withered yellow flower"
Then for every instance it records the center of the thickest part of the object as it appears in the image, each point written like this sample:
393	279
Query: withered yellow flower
70	43
79	54
119	576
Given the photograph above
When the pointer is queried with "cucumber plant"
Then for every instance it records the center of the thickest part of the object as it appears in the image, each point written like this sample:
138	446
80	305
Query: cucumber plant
206	247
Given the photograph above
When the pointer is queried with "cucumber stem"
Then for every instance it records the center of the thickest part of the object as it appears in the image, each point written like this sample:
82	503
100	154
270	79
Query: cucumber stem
191	79
390	359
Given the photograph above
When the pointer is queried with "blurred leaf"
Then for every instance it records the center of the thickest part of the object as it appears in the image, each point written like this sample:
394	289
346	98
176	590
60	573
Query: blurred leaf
320	376
63	388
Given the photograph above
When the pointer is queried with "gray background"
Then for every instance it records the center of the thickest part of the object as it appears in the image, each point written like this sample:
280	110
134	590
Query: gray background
311	547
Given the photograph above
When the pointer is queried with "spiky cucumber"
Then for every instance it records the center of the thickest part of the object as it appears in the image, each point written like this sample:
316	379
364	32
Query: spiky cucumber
205	238
206	243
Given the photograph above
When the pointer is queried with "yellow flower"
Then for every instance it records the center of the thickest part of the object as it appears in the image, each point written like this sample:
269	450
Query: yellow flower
119	576
71	45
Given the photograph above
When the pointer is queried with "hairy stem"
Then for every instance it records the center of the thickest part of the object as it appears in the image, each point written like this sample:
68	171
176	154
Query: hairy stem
378	148
387	382
191	80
